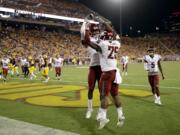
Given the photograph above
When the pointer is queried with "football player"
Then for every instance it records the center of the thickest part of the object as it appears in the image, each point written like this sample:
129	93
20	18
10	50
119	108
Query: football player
124	61
23	60
31	69
26	68
153	65
14	66
5	62
41	62
110	77
89	33
45	71
58	63
50	63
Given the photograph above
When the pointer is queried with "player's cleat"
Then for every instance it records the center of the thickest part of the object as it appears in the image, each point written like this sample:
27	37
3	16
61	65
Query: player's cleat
46	80
120	122
88	114
158	102
103	123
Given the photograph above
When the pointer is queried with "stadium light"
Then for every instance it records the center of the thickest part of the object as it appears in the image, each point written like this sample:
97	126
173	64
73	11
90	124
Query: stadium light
11	10
116	1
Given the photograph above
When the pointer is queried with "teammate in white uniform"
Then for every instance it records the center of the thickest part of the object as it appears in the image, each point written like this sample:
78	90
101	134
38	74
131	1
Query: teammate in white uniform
110	77
23	61
50	63
41	62
88	33
5	66
58	63
153	65
124	61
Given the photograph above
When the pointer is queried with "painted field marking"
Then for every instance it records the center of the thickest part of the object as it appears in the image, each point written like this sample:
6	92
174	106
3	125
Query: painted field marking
44	91
52	95
126	84
28	88
15	127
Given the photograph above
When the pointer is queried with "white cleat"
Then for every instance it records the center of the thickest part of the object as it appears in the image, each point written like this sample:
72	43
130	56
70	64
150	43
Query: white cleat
158	102
103	123
120	122
46	80
88	114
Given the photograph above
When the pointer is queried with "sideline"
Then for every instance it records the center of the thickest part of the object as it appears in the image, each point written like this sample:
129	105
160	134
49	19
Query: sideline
15	127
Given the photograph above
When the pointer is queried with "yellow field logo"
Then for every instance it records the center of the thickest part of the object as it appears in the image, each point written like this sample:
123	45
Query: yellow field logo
56	95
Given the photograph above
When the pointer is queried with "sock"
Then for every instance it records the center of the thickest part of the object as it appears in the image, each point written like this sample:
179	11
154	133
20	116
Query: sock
158	98
90	105
100	109
119	111
155	96
103	113
99	112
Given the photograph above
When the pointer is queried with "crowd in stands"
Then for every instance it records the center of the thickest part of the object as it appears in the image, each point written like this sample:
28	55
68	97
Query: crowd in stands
36	42
137	47
58	7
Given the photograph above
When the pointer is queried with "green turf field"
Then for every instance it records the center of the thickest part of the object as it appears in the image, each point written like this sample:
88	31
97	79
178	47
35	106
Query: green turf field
61	104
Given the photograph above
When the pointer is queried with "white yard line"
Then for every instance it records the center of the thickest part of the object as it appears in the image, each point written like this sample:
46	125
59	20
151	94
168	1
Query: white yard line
14	127
125	84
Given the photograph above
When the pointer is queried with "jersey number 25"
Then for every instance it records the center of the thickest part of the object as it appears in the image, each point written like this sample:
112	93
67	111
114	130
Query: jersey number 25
113	50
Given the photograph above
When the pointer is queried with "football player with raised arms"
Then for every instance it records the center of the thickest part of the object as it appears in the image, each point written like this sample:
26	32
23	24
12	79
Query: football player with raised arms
89	33
110	79
152	63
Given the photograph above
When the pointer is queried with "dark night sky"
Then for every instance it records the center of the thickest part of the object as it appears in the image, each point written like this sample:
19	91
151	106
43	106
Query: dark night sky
142	15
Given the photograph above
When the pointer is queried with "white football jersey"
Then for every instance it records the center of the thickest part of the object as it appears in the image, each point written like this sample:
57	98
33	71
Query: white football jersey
152	63
50	60
58	62
93	54
5	63
23	61
108	59
124	59
41	61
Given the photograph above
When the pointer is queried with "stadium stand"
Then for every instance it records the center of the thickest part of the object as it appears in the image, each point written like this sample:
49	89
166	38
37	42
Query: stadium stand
59	7
36	42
